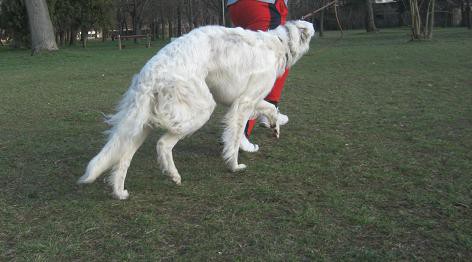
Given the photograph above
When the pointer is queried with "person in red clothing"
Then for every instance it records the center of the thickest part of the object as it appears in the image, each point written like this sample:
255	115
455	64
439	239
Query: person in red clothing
260	15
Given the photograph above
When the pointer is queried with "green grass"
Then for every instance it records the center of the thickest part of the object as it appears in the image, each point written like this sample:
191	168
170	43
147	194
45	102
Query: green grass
375	163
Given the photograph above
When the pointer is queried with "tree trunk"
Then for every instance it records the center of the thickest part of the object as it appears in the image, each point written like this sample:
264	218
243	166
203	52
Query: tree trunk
463	13
421	31
163	29
66	37
16	41
42	32
84	36
153	30
469	14
190	14
322	18
134	16
61	38
179	20
428	34
370	23
223	15
415	20
72	37
401	10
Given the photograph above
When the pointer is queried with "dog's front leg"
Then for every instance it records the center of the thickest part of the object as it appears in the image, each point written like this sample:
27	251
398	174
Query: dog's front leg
235	121
270	111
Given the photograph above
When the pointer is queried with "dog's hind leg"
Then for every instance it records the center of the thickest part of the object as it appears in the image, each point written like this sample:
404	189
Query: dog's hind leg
116	155
184	109
164	153
235	120
129	127
167	142
128	149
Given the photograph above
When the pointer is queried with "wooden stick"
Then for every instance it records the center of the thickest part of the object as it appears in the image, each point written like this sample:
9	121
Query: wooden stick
337	18
319	9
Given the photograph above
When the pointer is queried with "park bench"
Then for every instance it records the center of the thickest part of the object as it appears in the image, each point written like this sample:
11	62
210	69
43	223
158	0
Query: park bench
120	37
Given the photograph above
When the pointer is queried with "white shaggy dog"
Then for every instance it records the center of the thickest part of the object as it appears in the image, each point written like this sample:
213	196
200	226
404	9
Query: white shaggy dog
177	90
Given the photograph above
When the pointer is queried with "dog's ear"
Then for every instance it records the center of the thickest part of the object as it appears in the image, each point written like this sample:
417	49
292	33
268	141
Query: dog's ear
304	34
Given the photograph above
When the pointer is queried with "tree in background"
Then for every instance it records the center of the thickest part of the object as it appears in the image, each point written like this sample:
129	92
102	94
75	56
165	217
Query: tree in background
63	19
164	19
137	8
467	13
41	30
14	21
213	7
93	14
73	16
105	20
370	22
422	19
363	7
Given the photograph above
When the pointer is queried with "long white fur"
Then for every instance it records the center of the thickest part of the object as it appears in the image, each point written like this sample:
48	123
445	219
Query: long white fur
178	89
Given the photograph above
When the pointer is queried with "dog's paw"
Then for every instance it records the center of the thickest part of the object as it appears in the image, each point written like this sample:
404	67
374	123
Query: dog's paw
177	180
122	195
239	168
247	146
250	149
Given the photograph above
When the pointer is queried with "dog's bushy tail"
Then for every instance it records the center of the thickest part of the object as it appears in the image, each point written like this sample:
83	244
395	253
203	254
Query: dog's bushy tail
128	124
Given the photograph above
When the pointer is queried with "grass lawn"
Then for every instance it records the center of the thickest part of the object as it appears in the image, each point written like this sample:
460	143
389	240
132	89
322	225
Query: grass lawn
375	163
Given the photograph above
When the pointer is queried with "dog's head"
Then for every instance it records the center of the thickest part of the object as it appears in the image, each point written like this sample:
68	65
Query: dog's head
299	34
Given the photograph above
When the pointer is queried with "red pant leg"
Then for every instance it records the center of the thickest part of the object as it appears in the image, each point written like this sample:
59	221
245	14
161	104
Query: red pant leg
276	92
